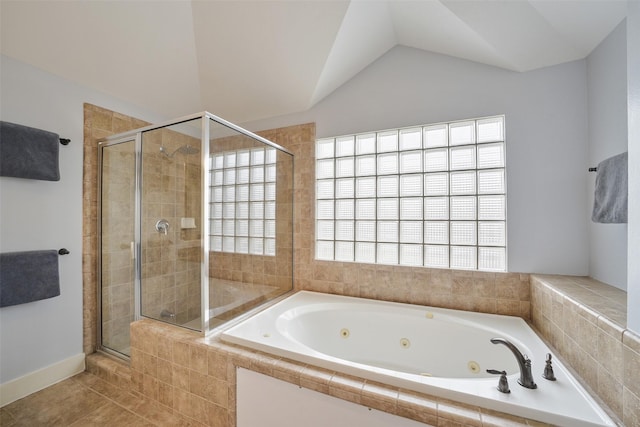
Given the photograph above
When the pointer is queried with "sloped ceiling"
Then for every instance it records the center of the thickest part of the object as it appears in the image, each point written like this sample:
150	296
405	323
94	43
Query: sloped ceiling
248	60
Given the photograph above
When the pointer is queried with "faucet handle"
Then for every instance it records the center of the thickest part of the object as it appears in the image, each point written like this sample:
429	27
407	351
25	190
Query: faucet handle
548	369
503	384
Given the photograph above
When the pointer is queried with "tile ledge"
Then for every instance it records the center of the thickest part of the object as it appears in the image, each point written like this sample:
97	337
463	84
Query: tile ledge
106	361
632	340
573	287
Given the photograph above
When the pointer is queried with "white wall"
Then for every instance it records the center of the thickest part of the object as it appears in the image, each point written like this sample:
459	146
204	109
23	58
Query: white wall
633	93
45	215
546	130
607	100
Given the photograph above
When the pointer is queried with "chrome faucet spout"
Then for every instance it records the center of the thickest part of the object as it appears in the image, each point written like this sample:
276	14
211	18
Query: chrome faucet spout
526	379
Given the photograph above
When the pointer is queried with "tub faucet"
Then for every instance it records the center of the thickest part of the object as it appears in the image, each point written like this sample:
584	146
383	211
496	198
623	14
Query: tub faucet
526	379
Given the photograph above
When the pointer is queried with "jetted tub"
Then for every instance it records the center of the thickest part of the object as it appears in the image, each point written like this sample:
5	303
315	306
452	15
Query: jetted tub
431	350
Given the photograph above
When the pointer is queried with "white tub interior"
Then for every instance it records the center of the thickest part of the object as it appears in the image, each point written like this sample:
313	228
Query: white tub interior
431	350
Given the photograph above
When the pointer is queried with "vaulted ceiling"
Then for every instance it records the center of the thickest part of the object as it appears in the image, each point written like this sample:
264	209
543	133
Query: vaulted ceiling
247	60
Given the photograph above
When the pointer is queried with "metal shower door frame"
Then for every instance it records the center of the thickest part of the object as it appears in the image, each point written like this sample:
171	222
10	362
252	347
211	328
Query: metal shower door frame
116	140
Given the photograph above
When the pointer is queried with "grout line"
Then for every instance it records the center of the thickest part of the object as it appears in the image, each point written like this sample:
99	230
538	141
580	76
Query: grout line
78	421
109	399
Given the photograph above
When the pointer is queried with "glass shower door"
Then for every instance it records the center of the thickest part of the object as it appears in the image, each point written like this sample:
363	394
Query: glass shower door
117	241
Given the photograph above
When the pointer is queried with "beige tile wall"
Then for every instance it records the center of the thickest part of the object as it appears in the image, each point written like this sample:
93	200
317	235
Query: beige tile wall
117	230
98	123
255	269
171	266
568	312
171	263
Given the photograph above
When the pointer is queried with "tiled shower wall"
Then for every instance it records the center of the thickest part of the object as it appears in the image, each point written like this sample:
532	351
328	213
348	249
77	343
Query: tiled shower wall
171	190
171	264
98	123
118	167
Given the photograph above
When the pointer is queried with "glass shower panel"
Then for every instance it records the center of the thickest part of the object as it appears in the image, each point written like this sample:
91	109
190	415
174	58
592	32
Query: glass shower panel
251	222
171	224
117	260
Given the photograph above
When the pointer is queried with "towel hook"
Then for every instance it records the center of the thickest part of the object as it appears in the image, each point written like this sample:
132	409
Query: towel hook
593	169
63	251
65	141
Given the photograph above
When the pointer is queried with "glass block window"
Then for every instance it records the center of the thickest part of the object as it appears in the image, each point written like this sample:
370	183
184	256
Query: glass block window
432	196
243	201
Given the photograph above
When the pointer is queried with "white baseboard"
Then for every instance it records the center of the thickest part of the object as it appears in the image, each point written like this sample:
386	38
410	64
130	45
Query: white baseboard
42	378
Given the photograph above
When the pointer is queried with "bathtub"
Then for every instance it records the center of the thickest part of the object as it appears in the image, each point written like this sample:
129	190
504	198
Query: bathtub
430	350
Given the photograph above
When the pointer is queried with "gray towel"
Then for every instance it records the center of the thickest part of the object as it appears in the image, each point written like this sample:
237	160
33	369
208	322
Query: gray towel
27	152
28	276
611	198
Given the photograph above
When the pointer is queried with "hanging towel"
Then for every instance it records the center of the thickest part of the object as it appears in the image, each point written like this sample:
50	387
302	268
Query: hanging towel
28	276
27	152
610	199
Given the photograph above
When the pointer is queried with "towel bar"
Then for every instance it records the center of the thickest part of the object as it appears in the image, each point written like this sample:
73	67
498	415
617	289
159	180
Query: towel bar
593	169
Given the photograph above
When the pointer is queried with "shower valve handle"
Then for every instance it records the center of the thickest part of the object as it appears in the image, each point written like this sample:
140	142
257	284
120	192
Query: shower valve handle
162	226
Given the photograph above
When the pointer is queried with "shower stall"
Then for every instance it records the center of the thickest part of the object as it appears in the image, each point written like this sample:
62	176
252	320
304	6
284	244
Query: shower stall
195	226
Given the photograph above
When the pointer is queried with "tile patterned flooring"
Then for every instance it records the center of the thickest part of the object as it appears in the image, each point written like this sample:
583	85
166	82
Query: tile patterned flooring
86	400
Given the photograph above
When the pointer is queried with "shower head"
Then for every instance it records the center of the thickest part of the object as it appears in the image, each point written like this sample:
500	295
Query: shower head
188	149
185	149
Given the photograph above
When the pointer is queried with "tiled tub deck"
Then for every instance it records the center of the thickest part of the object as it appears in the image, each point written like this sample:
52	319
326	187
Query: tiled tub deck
585	321
196	378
